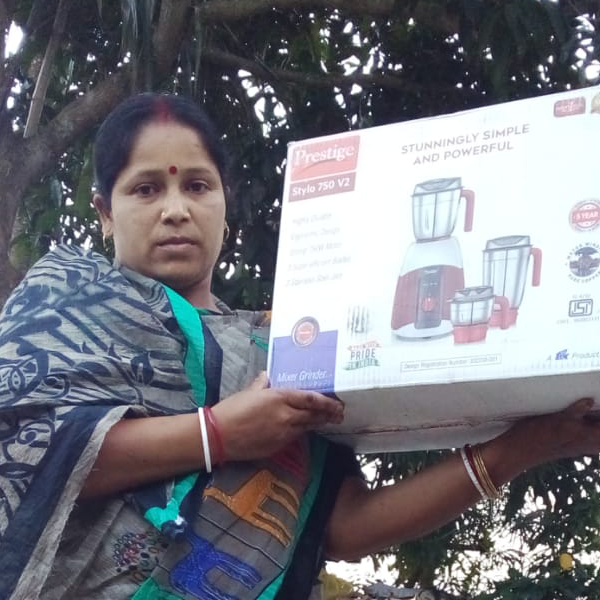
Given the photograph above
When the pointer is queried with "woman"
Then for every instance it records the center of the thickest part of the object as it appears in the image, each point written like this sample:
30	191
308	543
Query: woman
117	485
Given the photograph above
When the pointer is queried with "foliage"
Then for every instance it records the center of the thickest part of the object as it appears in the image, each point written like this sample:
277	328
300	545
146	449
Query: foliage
480	53
550	511
289	70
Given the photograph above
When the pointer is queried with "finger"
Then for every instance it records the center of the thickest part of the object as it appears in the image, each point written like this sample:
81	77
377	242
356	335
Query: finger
592	417
320	417
313	402
307	421
260	383
579	408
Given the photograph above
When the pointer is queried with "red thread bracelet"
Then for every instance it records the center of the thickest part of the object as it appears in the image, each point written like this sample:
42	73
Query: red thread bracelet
210	418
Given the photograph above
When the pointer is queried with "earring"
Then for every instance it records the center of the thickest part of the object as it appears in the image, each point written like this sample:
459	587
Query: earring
226	232
107	242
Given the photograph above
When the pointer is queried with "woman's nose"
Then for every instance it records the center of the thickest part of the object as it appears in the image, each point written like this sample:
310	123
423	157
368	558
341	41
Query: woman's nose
175	209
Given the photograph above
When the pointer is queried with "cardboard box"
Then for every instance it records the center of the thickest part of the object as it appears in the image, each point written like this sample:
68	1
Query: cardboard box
442	276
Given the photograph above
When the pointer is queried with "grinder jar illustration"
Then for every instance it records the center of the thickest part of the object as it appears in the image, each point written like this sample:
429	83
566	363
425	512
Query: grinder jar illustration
505	265
433	268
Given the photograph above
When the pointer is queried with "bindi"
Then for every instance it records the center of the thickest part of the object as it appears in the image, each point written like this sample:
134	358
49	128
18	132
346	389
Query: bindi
173	170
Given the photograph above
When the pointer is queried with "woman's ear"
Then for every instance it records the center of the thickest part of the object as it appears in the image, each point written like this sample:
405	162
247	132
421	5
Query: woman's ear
104	215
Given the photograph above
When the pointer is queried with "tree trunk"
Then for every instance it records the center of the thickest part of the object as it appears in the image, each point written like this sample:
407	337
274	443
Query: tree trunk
10	195
23	161
10	278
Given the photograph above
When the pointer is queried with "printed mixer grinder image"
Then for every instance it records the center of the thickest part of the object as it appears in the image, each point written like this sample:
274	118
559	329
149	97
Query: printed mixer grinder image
505	266
433	268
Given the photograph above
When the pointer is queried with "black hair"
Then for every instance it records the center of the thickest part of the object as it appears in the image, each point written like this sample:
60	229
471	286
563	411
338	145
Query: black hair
118	133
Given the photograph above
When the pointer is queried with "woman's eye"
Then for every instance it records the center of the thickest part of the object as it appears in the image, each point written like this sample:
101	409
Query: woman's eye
145	189
198	186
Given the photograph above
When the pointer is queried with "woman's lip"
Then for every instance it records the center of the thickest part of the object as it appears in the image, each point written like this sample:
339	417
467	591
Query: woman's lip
176	246
176	242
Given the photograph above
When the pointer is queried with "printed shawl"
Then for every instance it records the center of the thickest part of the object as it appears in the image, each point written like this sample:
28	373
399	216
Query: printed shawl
84	344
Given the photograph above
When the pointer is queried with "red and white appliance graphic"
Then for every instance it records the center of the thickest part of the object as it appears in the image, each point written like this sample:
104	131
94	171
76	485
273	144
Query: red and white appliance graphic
505	266
432	271
471	310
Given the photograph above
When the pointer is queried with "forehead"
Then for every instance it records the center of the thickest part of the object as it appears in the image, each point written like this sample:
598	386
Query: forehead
160	144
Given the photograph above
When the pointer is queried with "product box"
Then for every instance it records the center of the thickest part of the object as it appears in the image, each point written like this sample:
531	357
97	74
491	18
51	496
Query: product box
441	277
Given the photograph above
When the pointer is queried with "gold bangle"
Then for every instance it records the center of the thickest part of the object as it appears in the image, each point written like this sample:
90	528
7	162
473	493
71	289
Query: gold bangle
469	467
488	485
486	481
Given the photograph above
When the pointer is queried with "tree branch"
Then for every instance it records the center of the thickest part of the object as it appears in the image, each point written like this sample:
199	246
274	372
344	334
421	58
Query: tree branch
43	80
325	80
40	13
76	118
34	156
429	13
167	38
236	10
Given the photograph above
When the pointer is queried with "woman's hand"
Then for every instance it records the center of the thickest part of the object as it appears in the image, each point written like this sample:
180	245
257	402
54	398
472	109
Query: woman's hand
254	423
574	431
365	521
259	421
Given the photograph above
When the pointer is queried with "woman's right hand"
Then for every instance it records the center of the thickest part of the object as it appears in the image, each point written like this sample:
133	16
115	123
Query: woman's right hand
259	421
254	423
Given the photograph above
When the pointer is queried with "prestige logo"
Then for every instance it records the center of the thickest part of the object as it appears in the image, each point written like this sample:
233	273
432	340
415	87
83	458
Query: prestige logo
337	155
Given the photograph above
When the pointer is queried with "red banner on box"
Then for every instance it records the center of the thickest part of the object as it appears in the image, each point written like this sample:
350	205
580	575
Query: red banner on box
572	106
324	186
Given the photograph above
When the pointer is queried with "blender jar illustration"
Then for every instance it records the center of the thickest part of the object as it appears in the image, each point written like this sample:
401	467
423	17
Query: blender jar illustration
505	265
471	310
433	268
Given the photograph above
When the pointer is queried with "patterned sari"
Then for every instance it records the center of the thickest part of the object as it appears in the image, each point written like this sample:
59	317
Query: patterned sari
84	344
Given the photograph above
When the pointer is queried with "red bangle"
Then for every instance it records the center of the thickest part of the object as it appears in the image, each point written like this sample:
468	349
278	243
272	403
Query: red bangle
210	419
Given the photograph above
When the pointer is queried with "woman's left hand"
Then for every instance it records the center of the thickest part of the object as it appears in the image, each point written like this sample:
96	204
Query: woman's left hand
574	431
366	521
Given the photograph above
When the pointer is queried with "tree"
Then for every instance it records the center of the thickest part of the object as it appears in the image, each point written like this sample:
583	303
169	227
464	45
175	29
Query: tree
272	72
74	63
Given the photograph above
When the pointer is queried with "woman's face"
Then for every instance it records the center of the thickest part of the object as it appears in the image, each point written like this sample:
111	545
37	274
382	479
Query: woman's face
168	210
